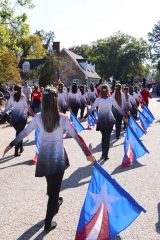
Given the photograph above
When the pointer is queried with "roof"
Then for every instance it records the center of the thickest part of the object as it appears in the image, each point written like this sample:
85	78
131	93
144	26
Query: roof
34	63
77	58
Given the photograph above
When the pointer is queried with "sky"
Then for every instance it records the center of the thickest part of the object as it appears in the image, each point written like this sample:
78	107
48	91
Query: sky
77	22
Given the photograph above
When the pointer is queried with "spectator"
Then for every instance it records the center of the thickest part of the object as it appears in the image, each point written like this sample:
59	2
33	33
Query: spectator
36	100
27	90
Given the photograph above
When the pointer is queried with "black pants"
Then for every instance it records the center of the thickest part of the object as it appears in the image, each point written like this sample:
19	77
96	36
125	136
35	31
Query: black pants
53	188
82	110
75	109
106	135
19	126
118	118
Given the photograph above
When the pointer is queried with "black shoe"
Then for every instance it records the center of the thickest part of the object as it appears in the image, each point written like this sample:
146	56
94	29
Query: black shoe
21	150
17	154
60	201
106	158
51	227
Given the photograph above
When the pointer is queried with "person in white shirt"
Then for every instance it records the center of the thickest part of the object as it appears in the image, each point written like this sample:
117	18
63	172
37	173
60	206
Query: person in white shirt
27	90
74	101
133	102
62	98
106	118
120	99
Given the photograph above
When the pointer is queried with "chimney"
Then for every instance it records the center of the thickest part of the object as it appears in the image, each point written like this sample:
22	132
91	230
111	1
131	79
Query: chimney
56	48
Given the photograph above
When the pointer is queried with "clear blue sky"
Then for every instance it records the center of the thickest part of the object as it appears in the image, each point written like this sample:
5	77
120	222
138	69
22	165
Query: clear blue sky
76	22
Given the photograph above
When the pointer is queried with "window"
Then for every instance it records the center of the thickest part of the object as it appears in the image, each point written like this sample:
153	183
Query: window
26	66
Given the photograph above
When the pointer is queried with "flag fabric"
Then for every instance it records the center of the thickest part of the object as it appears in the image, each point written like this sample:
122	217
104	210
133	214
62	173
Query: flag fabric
145	122
37	137
91	121
147	109
76	123
148	114
135	127
107	210
96	114
133	148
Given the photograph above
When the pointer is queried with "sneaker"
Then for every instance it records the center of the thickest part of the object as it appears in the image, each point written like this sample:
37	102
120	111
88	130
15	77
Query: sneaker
51	227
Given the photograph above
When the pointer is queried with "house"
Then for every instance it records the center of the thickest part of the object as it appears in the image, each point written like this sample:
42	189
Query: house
26	65
77	69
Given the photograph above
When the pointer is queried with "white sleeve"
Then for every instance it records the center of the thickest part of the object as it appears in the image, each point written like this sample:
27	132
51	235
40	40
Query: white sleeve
31	126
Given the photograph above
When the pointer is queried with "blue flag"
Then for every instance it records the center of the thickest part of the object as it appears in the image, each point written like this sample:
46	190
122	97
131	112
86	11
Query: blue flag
135	127
76	123
96	114
107	210
148	114
133	148
91	121
147	109
145	122
37	139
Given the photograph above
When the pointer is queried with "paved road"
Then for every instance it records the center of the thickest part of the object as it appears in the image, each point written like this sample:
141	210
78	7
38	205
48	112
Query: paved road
23	197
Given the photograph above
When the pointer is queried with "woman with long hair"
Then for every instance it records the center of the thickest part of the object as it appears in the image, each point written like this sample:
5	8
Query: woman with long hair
52	159
106	119
74	99
20	107
62	98
120	99
92	94
83	101
133	102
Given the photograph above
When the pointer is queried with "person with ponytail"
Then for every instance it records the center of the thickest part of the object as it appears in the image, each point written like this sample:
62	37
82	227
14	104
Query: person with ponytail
52	158
120	99
19	105
74	99
106	119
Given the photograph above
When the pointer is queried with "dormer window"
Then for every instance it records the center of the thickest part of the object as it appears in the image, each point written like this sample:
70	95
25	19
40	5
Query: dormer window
26	66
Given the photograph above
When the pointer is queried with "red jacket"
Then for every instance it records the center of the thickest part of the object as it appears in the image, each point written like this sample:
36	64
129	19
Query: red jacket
145	95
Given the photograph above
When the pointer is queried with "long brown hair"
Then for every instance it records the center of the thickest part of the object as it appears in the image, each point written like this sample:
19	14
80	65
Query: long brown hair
118	94
104	91
17	93
50	114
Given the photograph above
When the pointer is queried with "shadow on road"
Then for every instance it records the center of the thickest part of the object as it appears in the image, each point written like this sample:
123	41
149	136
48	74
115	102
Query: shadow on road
74	180
27	143
33	230
28	162
158	223
120	170
6	159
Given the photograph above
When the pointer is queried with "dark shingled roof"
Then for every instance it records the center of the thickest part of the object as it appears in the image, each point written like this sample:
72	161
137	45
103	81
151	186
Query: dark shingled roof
34	63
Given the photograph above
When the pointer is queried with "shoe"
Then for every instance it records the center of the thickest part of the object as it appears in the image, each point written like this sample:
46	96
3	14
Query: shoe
51	227
17	154
60	201
21	150
106	158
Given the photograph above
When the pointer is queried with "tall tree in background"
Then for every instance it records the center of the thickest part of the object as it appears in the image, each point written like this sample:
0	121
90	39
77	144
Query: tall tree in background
154	39
47	39
82	50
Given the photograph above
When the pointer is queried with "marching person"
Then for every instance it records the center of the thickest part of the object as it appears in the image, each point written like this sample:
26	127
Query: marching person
106	119
52	159
36	99
20	108
83	101
120	99
133	102
92	94
145	95
74	99
62	98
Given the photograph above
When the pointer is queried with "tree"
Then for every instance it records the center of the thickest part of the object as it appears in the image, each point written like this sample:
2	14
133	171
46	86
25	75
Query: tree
16	25
154	39
47	39
48	72
120	55
82	50
32	47
9	67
